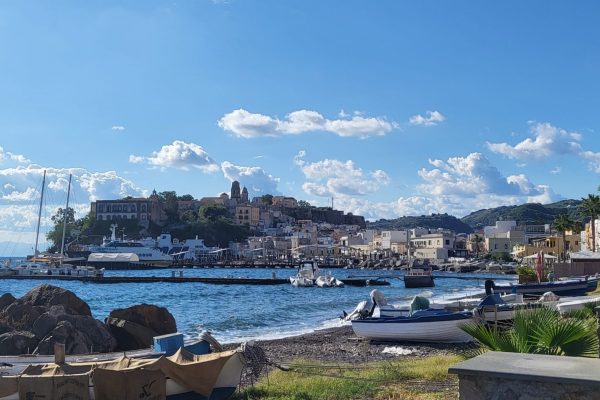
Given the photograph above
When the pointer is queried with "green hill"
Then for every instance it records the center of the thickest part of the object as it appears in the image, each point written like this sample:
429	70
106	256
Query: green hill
530	213
433	221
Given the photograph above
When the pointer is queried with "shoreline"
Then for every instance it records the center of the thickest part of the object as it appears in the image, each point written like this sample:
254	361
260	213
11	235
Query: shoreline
341	345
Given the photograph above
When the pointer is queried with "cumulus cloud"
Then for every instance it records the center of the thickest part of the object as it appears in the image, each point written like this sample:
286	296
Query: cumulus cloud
471	176
431	118
245	124
26	195
179	155
593	159
118	128
546	141
255	179
337	178
8	156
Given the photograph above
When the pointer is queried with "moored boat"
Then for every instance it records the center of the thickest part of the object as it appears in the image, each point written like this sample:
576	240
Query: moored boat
572	287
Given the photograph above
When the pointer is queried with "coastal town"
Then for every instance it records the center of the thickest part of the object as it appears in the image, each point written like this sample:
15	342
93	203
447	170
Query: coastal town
299	200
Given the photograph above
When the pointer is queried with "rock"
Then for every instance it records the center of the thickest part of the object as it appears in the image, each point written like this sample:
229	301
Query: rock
159	319
48	295
134	327
129	335
5	300
19	316
96	333
17	342
75	342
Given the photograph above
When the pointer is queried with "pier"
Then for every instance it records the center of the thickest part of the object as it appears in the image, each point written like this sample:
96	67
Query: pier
184	279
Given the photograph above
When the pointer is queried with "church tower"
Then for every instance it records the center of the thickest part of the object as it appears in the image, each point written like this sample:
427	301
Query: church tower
235	191
244	195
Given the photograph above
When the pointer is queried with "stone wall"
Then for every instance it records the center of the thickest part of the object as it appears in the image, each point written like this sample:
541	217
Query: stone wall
485	388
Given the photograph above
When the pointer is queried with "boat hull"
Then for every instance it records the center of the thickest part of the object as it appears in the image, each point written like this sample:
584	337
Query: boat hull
570	288
412	330
418	281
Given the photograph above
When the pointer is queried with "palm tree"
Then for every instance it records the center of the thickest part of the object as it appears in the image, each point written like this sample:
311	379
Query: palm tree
539	331
475	241
563	223
591	206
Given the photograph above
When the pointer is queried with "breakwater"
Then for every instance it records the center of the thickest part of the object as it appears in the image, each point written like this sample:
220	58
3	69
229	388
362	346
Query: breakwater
374	281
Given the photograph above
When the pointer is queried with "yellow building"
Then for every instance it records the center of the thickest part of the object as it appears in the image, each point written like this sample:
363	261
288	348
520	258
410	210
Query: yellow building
247	215
551	245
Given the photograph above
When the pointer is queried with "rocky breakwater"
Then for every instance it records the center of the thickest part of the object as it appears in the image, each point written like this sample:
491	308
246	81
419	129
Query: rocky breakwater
48	314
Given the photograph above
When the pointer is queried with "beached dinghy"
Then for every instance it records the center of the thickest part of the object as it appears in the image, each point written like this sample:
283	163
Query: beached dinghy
422	326
183	375
571	287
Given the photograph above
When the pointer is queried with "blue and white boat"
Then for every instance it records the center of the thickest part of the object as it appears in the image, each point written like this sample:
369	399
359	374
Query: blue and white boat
422	326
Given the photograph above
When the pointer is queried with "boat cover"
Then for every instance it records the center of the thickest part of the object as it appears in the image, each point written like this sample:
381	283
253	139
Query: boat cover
418	303
123	378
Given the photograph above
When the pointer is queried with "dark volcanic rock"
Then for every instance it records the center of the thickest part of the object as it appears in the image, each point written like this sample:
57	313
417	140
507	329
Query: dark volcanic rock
6	299
20	316
48	295
75	342
159	319
15	343
134	327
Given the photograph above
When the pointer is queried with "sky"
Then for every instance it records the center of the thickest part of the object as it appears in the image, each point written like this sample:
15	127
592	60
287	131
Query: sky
390	108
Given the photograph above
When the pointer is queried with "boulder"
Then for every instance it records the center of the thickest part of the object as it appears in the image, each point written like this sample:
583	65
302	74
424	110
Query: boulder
159	319
20	316
134	327
75	342
17	342
5	300
97	335
48	295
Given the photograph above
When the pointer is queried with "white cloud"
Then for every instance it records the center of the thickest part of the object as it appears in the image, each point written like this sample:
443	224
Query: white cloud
471	176
250	125
594	160
7	155
255	179
179	155
118	128
337	178
431	118
547	141
28	194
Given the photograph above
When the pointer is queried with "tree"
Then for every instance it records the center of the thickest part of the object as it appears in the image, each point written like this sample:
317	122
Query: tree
55	234
170	205
539	331
563	223
267	199
590	206
186	197
476	240
213	213
304	203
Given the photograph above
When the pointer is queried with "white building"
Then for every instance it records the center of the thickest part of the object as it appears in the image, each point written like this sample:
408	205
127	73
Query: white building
389	237
501	228
435	247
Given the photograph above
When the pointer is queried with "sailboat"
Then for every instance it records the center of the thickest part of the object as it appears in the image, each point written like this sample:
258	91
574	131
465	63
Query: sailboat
50	264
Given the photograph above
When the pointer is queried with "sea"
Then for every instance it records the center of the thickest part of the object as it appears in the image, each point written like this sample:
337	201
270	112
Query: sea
236	313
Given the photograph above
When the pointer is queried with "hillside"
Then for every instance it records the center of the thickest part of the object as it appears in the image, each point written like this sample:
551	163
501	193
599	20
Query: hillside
530	213
432	221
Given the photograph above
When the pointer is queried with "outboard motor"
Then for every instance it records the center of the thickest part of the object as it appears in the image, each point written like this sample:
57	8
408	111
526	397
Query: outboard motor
490	286
378	298
364	309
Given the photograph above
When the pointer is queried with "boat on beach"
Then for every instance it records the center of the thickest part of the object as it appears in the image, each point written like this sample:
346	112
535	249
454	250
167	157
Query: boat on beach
189	372
571	287
422	326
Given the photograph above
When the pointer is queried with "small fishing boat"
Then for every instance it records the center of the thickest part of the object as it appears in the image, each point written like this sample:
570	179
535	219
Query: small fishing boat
190	372
565	305
422	326
571	287
328	281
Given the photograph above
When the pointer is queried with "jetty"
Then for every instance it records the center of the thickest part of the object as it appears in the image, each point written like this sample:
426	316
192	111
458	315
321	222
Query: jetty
185	279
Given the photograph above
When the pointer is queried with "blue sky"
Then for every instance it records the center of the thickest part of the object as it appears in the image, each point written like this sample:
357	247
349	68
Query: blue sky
392	108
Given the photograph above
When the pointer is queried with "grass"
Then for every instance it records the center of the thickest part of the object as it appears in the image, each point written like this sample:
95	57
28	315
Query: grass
412	379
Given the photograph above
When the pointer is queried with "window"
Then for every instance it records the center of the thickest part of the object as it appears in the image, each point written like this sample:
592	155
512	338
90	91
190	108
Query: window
100	218
143	208
108	208
447	242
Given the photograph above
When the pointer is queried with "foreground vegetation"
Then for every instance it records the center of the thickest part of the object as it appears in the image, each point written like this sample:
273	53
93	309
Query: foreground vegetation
413	378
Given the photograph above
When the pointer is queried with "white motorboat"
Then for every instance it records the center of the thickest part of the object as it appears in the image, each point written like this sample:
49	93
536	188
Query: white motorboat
423	326
567	304
308	272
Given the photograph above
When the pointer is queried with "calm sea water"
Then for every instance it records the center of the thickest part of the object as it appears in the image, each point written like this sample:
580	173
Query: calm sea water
241	312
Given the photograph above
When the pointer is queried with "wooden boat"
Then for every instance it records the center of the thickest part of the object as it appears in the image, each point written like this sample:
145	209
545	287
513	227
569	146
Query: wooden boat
422	326
208	376
572	287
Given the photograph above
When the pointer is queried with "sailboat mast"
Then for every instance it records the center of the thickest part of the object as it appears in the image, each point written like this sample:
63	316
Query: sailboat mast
65	214
37	233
